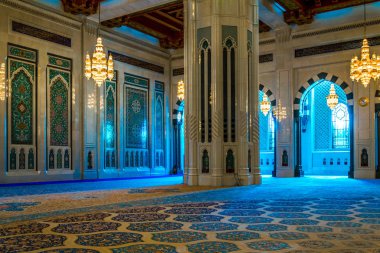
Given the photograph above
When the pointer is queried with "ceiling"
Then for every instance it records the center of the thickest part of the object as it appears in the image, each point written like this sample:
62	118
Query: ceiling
163	19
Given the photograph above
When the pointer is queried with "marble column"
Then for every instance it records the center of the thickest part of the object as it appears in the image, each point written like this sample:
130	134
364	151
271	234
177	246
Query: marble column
221	83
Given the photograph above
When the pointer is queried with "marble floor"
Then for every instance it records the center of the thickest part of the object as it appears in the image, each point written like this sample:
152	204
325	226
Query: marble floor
311	214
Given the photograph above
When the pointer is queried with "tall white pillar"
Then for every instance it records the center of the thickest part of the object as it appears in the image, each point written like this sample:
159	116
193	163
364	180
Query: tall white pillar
221	80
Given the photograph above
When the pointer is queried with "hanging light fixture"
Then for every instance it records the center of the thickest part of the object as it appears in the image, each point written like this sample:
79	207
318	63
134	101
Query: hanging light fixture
265	105
2	82
99	68
280	112
332	98
366	68
181	90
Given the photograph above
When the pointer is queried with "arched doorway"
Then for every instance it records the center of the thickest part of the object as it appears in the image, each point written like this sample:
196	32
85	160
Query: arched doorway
323	136
267	135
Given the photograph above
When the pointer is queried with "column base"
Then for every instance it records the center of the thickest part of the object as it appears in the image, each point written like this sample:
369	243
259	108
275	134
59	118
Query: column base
298	172
351	173
367	173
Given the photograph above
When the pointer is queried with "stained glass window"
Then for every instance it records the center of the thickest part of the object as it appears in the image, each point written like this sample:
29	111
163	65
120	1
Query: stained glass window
340	128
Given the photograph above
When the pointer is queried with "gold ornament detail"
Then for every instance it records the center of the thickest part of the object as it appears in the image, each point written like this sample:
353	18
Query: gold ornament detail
99	68
332	98
265	105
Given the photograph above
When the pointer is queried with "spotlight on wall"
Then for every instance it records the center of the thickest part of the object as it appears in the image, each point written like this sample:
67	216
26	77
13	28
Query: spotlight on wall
181	90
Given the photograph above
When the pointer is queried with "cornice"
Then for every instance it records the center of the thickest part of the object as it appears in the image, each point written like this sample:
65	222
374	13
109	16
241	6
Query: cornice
131	42
43	12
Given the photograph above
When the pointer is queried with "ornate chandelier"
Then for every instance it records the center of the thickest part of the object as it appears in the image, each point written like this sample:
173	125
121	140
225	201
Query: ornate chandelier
332	98
265	105
2	82
99	68
181	90
280	112
366	68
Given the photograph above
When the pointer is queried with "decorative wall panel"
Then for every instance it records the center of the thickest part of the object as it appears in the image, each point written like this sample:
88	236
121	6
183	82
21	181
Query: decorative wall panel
22	76
59	112
110	126
159	124
136	121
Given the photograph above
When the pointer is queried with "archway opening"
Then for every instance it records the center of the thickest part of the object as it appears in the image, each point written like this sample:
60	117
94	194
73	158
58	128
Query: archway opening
325	132
267	140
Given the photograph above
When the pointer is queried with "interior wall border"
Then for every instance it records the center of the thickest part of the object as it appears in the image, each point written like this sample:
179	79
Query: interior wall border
136	62
336	29
40	34
335	47
42	12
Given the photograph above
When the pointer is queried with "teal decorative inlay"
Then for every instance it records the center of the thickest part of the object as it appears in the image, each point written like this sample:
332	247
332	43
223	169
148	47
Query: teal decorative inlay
59	62
23	53
136	80
159	85
110	114
136	118
59	85
22	76
159	110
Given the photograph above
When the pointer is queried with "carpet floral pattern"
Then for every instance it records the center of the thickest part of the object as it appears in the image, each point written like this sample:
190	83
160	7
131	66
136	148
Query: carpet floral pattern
206	227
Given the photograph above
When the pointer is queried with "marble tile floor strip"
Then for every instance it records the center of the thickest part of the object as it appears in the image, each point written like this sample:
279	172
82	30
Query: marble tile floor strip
342	219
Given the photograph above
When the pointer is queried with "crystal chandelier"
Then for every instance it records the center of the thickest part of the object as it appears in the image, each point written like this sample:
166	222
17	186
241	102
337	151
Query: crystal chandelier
99	68
181	90
367	67
265	105
2	82
280	112
332	98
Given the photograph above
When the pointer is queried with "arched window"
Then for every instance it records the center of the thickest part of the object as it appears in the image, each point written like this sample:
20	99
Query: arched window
266	128
340	128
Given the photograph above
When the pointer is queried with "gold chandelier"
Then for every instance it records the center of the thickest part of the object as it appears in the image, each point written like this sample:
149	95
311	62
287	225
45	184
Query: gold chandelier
2	82
99	68
280	112
181	90
367	67
332	98
265	105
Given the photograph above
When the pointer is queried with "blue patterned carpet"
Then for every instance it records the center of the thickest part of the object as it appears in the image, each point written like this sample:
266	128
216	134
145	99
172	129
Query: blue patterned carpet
96	185
295	215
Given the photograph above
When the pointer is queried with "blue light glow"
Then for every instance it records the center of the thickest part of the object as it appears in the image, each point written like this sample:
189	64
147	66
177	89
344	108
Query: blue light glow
137	34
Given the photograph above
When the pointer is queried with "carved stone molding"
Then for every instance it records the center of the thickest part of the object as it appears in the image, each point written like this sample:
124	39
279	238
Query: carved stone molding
42	13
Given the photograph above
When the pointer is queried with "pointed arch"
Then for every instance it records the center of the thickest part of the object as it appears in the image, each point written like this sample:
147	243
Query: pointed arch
25	71
269	93
323	76
59	78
